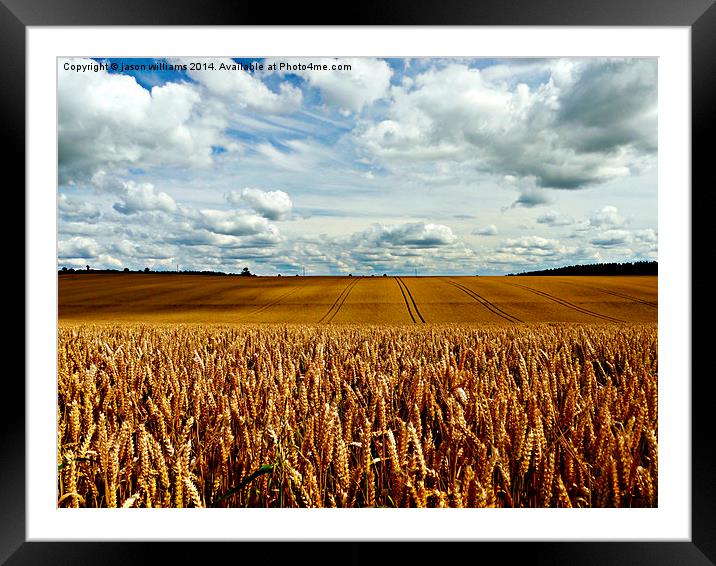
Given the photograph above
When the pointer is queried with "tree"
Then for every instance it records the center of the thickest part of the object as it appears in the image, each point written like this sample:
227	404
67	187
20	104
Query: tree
245	271
88	268
64	269
126	269
146	270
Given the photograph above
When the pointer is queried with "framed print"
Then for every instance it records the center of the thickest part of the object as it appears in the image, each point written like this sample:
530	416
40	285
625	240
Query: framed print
388	279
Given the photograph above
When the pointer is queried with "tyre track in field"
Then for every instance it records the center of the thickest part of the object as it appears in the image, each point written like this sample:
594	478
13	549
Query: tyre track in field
493	308
402	286
328	317
271	304
651	304
567	304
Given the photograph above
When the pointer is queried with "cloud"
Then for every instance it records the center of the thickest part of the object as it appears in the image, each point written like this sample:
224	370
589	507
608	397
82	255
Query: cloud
532	246
611	106
391	248
554	218
351	90
299	156
612	238
536	252
489	230
646	243
124	247
214	244
79	228
73	209
230	223
382	248
527	131
143	198
242	90
108	121
77	247
274	205
529	198
607	216
148	228
648	236
104	182
414	234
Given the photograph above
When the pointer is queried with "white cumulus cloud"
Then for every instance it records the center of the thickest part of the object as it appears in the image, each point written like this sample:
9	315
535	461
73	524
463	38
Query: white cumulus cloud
351	90
607	216
108	121
230	223
274	205
77	247
143	198
414	234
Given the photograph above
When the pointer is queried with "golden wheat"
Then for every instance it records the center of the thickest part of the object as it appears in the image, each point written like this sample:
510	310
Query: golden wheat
351	416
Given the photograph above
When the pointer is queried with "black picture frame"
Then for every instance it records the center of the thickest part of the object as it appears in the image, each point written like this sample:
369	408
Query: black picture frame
698	15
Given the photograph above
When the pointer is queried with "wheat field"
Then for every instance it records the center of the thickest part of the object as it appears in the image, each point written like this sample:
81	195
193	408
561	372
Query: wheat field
276	415
174	298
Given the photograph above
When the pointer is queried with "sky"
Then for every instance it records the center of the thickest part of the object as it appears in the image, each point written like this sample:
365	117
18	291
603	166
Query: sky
398	166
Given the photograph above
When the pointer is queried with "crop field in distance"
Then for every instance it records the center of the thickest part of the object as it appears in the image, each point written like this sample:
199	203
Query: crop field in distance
218	391
151	297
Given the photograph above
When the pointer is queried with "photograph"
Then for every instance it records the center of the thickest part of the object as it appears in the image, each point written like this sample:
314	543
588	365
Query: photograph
350	282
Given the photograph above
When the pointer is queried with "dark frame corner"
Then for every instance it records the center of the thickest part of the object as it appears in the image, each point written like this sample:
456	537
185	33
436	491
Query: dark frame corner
699	15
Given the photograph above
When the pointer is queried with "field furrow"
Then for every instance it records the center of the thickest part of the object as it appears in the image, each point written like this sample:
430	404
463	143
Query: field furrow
340	300
487	304
568	304
409	300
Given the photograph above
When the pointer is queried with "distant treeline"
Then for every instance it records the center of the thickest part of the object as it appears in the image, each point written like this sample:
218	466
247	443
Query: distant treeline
244	273
635	268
